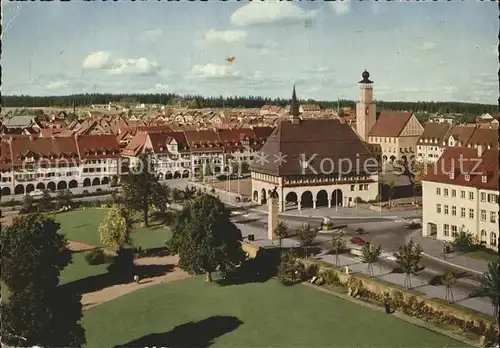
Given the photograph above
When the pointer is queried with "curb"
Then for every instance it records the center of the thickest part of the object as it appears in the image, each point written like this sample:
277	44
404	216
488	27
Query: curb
452	264
331	217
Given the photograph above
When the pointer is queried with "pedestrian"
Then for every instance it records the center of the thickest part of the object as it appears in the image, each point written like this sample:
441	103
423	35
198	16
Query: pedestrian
136	279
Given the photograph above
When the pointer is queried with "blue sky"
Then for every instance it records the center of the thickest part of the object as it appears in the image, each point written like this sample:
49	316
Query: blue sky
414	51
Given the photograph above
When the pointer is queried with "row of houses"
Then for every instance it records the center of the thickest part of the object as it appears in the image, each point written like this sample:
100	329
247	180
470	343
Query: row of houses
28	163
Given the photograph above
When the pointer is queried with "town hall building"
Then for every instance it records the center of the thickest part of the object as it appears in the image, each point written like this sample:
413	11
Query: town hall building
312	163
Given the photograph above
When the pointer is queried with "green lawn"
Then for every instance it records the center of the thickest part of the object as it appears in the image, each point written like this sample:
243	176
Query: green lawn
79	269
484	255
82	226
270	315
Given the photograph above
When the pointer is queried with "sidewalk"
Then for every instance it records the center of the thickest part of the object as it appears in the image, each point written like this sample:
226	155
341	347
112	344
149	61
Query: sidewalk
345	213
434	249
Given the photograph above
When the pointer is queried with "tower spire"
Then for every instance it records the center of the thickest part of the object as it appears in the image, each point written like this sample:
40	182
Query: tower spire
294	107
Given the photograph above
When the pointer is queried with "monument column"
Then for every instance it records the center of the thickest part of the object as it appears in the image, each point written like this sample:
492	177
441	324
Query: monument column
272	219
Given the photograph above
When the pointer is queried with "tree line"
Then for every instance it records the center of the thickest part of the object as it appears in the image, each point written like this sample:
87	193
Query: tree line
198	101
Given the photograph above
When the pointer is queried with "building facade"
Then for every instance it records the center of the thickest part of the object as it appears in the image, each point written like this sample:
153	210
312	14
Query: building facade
312	163
460	192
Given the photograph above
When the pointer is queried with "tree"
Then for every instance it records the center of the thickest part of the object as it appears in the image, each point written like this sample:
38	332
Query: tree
245	168
465	241
38	310
390	189
281	231
306	236
490	285
205	237
448	280
63	198
338	245
289	270
45	202
176	195
408	259
116	227
141	187
417	170
28	206
370	256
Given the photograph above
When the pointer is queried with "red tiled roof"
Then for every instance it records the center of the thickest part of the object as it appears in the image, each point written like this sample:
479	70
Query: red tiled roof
203	140
390	124
460	133
50	149
159	140
434	131
465	161
98	146
5	156
135	146
485	137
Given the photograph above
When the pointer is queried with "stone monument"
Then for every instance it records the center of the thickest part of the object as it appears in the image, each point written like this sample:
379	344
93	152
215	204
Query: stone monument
272	219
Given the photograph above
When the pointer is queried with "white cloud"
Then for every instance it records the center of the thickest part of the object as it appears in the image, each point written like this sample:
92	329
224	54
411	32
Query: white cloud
140	66
57	84
161	86
268	12
340	7
98	61
428	46
266	45
104	60
150	36
214	71
225	35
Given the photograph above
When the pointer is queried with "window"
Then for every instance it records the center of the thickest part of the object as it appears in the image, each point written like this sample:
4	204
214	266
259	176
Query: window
471	213
445	192
462	194
483	215
453	193
445	209
471	196
438	191
454	211
462	212
438	208
484	179
493	239
352	187
366	187
446	229
467	177
453	230
483	197
493	216
361	187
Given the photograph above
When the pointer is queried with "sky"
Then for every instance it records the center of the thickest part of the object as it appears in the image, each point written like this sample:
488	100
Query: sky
440	51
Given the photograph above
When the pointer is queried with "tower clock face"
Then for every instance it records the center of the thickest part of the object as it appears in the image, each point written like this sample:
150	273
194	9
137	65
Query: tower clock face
366	111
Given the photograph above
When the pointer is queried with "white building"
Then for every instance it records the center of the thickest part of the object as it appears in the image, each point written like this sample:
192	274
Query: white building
464	198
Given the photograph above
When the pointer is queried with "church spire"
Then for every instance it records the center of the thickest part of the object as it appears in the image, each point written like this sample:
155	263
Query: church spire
294	107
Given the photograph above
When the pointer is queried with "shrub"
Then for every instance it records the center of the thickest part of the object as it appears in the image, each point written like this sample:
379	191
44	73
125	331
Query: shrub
95	257
311	271
329	276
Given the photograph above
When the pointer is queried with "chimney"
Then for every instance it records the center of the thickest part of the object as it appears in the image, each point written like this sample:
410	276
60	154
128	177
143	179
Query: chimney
480	151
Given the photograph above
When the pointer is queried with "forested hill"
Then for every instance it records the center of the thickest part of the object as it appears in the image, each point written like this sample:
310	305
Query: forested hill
84	100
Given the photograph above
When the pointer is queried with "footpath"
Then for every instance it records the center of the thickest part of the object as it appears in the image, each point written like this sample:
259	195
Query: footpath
434	249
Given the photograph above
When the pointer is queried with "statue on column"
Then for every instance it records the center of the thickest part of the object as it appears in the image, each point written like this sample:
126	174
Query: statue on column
272	222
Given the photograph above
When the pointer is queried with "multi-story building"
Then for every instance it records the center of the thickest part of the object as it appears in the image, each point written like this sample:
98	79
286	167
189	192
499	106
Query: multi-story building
170	149
437	137
207	151
58	163
392	135
460	193
312	163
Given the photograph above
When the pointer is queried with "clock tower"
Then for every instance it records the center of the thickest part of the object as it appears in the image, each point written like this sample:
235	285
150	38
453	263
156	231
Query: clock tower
365	107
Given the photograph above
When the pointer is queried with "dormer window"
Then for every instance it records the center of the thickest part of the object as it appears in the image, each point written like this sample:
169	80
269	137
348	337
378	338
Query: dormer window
484	178
467	177
452	175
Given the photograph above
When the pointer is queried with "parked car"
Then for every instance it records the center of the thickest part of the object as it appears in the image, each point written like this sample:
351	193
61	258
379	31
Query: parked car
358	240
361	231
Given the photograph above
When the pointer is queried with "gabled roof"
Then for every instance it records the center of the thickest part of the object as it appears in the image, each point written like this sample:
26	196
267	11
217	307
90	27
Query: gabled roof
159	140
485	137
5	155
50	149
390	124
460	133
328	141
464	161
98	146
434	131
202	140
